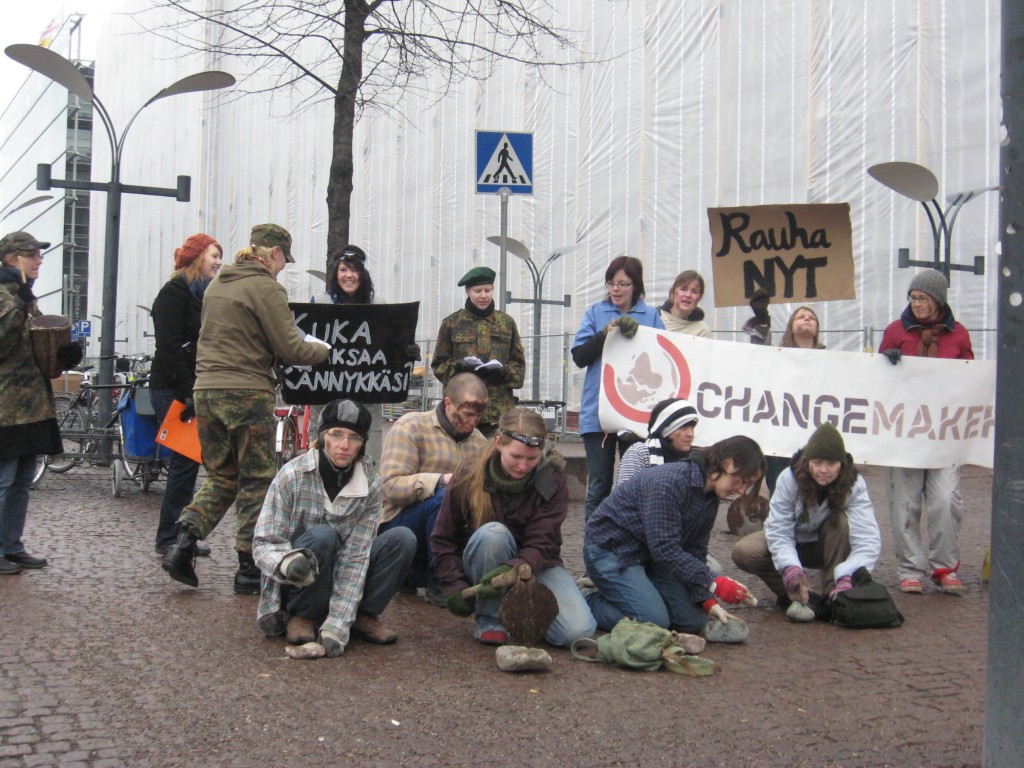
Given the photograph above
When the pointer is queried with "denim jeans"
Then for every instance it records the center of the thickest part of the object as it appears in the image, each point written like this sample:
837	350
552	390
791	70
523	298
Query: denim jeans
600	448
638	592
419	518
493	544
390	556
181	478
15	480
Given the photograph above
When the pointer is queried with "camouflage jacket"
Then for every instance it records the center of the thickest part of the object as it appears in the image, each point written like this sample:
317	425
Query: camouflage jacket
495	337
24	394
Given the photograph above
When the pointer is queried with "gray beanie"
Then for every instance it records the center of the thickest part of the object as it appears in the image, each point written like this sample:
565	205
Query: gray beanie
932	282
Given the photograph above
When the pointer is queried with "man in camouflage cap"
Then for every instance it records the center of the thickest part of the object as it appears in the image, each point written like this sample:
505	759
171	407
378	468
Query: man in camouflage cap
271	235
20	242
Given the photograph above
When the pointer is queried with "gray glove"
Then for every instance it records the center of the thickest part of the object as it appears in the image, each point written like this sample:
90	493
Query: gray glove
331	643
299	569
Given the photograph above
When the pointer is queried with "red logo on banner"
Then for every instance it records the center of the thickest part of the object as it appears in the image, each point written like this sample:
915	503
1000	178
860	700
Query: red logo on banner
644	380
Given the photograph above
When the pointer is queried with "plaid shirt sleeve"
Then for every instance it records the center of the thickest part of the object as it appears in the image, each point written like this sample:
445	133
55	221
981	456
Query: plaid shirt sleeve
401	460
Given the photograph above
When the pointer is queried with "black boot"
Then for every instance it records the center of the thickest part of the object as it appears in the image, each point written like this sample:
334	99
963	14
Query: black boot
247	578
180	560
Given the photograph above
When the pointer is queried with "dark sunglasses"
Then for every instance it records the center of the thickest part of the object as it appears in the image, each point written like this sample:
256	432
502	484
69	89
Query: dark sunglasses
532	442
350	254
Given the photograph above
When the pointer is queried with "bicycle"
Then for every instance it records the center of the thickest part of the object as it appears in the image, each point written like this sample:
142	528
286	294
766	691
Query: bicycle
291	434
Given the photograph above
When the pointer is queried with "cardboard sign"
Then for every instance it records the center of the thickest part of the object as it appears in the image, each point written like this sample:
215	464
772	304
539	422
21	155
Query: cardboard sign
180	436
797	253
368	361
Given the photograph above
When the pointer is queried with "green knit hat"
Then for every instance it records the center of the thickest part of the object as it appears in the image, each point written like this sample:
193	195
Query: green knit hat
826	443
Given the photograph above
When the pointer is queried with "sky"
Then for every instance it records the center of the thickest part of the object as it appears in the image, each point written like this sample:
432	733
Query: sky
25	23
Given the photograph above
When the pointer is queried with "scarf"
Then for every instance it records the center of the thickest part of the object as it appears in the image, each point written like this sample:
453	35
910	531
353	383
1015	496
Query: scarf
474	310
334	479
446	425
506	486
198	288
929	344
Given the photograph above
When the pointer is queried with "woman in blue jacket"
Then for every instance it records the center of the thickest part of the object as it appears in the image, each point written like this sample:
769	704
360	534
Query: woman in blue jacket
622	307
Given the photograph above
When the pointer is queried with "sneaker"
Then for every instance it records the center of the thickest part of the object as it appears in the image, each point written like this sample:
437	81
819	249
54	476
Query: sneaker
911	586
434	596
950	584
490	632
373	630
300	630
9	567
25	560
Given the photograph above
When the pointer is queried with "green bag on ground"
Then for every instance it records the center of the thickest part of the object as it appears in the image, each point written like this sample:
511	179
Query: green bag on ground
631	644
865	605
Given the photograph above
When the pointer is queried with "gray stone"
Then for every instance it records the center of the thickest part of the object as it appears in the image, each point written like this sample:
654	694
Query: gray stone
518	658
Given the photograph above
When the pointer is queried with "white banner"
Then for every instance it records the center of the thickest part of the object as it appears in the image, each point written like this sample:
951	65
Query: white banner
922	413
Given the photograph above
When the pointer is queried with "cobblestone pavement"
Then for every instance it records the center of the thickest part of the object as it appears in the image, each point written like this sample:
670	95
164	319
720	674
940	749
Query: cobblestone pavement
106	662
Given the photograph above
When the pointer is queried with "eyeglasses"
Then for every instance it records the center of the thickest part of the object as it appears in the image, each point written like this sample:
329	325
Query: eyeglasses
623	286
344	437
528	440
919	299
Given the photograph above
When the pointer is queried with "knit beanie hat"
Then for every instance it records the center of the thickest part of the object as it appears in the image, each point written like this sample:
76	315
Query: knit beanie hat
826	443
932	282
347	414
669	415
192	249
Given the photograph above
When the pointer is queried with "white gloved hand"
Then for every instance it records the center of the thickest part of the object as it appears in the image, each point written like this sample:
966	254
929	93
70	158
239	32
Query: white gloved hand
314	340
719	613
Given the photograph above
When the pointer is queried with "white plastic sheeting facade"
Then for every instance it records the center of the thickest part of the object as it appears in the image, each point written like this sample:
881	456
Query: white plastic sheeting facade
696	104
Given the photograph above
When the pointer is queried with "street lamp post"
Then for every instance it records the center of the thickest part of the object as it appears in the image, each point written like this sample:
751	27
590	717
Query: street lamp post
54	66
918	183
538	274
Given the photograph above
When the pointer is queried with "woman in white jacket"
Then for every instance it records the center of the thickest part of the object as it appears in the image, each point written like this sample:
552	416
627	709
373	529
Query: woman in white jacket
820	517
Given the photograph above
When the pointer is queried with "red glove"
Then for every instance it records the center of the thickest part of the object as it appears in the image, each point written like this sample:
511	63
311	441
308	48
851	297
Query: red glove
729	590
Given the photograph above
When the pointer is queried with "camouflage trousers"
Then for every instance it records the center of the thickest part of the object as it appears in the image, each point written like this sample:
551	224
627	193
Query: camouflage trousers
236	431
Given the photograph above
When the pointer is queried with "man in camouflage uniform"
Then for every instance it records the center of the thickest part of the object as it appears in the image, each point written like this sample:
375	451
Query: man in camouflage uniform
28	424
479	330
245	324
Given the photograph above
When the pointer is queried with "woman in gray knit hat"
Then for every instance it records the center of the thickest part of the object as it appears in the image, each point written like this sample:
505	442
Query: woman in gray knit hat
926	329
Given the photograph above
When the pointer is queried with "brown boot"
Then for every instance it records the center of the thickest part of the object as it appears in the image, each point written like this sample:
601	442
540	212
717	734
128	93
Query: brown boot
300	630
372	629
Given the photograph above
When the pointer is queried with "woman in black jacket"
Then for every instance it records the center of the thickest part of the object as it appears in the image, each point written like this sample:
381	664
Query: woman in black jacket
176	313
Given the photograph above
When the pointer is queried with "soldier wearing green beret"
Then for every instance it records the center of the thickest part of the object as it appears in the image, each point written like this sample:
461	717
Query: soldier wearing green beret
479	339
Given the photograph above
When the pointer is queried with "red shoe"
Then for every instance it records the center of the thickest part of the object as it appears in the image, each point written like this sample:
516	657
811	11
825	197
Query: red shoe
911	586
493	637
950	584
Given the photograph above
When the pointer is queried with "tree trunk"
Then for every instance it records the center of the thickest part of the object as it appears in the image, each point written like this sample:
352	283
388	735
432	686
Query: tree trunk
339	182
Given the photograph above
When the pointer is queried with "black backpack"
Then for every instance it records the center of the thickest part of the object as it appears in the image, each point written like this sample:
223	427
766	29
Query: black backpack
867	604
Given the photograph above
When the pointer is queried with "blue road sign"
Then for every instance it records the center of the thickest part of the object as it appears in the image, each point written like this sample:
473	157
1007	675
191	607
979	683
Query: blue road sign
81	329
504	159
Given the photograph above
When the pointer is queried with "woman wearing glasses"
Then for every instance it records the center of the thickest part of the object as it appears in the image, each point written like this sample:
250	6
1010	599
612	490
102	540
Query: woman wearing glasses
503	509
646	545
926	328
623	307
820	517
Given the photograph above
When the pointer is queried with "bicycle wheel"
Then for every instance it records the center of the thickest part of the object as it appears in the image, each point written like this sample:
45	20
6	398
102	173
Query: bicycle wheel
70	418
117	478
288	446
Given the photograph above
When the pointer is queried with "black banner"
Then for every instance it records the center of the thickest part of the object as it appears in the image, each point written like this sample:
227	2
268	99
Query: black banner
368	362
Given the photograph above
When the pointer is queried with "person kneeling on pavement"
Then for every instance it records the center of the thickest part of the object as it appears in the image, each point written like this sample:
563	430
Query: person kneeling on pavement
820	516
504	509
324	572
646	545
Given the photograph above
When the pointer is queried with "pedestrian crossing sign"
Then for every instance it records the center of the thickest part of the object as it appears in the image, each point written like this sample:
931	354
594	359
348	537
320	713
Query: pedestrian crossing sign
504	159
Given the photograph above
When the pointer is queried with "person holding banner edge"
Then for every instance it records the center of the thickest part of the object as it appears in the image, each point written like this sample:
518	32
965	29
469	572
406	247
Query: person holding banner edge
622	308
926	328
176	316
246	324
